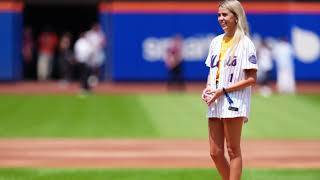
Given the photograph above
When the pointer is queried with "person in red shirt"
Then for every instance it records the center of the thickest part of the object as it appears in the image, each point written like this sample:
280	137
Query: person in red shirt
47	43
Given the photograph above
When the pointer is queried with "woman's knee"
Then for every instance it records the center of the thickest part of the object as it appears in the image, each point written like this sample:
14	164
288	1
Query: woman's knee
234	151
217	153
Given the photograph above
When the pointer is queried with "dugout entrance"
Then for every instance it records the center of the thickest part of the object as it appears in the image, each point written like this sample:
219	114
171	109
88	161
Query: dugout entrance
59	16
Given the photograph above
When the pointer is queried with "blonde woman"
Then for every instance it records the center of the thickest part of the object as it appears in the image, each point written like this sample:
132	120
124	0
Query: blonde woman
233	67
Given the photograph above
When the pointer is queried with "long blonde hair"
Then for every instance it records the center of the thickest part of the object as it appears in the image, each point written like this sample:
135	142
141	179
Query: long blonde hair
242	28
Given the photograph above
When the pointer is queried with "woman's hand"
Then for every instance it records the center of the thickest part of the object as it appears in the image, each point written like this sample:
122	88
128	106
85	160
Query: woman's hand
206	93
214	95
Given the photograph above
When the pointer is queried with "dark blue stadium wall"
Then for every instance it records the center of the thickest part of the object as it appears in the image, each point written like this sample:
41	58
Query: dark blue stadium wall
138	35
10	41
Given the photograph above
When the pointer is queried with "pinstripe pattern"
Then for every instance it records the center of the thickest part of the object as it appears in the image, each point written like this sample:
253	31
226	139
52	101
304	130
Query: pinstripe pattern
241	98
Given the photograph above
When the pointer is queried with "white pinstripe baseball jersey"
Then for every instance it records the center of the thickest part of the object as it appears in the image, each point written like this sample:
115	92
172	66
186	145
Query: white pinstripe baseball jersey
231	71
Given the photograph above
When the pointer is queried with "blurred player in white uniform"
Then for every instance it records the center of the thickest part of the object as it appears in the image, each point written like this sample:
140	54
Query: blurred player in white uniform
83	52
265	67
233	67
283	54
96	38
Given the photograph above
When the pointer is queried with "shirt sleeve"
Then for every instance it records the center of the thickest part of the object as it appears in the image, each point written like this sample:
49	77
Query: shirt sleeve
210	53
250	56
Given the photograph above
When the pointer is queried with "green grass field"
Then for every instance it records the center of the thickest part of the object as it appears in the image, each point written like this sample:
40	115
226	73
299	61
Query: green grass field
154	174
150	116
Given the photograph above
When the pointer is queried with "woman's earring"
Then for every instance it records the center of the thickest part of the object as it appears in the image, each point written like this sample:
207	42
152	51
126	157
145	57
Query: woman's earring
236	21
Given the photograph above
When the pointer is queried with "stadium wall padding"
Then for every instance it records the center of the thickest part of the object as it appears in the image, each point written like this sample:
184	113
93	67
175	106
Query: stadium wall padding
138	35
10	41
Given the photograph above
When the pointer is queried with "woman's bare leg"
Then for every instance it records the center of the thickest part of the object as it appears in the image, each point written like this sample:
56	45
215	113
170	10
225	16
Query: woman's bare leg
232	130
216	141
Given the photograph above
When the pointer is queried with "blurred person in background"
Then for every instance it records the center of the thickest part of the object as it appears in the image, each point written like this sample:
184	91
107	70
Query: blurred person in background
283	55
65	59
264	56
233	70
28	50
48	41
84	52
97	39
173	62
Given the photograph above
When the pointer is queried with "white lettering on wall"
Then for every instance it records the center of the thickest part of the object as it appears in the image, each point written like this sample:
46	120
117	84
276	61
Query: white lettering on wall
193	48
306	45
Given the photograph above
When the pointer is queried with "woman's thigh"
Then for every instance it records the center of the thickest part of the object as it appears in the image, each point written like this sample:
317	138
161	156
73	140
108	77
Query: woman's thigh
216	135
233	130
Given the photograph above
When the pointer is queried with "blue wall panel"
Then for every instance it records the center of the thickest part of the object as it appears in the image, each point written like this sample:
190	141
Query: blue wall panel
10	45
129	31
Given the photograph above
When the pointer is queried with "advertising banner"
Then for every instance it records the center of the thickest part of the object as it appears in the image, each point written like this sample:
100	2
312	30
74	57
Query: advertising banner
140	33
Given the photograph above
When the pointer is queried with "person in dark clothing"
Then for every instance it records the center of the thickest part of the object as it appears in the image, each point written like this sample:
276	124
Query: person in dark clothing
28	54
173	63
65	58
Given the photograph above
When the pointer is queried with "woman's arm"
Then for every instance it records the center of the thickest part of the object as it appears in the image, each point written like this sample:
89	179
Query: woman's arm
208	81
206	89
250	79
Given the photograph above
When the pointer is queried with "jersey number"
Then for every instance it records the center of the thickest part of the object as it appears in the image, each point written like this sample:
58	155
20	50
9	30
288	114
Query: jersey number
231	77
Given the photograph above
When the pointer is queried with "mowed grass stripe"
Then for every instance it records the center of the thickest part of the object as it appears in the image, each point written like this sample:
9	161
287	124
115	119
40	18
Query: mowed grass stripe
154	174
176	115
284	117
71	116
